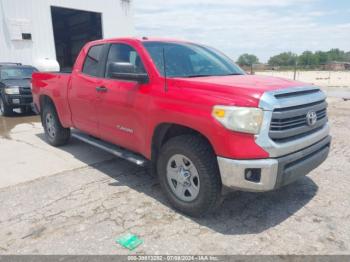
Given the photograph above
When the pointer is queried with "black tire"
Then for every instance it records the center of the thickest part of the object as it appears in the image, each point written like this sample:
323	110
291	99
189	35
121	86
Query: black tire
5	109
200	153
55	133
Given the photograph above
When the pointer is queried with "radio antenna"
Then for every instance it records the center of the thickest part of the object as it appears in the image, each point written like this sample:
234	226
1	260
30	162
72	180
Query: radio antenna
164	70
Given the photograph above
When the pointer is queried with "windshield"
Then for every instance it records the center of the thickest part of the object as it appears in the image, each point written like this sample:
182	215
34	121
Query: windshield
16	73
190	60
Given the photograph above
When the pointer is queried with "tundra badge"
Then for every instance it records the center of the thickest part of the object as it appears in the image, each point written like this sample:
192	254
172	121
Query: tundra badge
125	129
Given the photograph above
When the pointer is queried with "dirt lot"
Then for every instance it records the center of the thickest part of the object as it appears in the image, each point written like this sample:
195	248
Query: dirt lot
322	78
81	199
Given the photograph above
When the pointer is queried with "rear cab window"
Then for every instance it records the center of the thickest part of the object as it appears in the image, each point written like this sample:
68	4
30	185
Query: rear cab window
93	60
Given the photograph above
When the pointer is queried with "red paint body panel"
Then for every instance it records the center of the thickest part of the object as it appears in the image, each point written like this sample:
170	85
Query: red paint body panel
142	107
56	87
83	101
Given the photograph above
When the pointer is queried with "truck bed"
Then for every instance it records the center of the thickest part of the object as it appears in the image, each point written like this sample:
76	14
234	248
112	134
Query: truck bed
52	84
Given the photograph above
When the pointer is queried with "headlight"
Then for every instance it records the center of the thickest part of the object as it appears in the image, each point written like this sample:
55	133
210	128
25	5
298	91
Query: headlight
240	119
13	90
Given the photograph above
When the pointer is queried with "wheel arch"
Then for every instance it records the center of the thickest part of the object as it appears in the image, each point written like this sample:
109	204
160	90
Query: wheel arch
43	101
165	131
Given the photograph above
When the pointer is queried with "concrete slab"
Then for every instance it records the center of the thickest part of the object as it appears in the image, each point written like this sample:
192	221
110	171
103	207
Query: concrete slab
25	155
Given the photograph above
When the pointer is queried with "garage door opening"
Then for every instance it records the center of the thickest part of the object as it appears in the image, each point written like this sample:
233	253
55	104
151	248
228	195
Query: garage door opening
72	30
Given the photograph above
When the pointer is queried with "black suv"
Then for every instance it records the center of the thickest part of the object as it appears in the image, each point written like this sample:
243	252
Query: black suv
15	89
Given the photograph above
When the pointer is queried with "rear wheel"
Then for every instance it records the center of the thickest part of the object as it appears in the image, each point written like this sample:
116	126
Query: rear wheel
189	175
5	109
55	133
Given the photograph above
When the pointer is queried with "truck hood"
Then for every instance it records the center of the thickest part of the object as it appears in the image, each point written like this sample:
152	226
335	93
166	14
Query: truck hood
245	90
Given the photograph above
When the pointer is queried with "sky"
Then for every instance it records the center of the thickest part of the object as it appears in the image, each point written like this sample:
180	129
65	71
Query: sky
260	27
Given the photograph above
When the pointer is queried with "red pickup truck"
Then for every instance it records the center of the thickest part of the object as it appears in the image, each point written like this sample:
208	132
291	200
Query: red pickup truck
190	113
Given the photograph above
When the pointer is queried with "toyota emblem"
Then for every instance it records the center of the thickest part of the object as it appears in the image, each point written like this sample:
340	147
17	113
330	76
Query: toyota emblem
311	118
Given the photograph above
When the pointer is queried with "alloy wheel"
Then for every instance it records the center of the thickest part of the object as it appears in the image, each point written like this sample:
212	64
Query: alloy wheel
50	125
183	178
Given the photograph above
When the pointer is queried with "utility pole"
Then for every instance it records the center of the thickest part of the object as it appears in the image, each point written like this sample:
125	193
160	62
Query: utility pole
295	67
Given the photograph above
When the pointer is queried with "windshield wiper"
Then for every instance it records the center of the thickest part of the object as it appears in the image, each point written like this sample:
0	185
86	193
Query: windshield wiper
197	76
234	74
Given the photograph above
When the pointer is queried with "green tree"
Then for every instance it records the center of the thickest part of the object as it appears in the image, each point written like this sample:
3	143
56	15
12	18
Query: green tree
336	55
308	58
247	60
347	57
321	57
283	59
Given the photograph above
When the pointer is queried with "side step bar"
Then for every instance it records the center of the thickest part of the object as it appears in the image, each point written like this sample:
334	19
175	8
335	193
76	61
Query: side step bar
113	149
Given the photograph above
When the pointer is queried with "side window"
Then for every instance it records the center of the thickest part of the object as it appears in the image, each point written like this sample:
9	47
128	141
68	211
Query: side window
123	53
92	60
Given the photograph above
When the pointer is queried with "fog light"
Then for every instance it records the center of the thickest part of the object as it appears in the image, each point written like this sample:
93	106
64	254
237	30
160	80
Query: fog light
253	174
15	101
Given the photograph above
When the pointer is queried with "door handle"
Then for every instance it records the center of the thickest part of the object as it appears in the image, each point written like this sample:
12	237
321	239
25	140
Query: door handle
101	89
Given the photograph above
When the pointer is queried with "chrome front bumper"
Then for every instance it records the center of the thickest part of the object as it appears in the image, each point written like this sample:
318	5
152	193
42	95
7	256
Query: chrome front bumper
274	172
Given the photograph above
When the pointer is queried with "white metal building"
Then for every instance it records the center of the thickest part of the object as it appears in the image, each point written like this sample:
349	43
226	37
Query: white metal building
41	32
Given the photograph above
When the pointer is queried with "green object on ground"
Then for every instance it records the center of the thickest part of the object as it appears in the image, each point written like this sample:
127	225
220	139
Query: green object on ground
129	241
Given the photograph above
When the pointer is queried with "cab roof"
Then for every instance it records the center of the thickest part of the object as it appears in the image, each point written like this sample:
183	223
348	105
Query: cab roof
143	39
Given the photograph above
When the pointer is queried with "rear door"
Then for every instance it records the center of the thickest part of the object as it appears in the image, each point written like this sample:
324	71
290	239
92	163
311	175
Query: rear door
122	108
84	91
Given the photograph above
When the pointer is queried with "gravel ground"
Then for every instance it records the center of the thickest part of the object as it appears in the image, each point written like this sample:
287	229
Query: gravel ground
320	78
83	210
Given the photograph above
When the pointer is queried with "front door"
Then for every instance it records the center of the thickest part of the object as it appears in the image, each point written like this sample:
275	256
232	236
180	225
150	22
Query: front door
121	110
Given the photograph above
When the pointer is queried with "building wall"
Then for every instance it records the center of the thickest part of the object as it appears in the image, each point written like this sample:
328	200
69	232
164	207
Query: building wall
36	16
335	66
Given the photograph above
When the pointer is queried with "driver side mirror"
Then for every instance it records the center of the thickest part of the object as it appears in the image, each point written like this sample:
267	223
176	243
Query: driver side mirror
126	71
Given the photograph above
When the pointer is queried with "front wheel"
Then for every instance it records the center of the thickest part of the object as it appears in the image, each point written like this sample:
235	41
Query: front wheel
55	133
5	109
189	175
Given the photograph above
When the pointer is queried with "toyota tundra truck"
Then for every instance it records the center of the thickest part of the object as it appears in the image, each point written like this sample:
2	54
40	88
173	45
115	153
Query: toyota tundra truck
190	114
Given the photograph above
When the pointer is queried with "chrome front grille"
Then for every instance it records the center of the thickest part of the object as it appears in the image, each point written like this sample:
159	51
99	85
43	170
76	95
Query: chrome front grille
288	123
285	129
